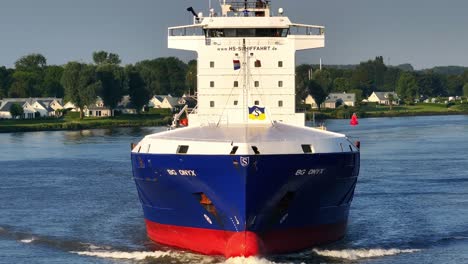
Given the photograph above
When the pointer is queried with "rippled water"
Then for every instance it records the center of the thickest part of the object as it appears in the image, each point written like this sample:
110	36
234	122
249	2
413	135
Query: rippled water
68	197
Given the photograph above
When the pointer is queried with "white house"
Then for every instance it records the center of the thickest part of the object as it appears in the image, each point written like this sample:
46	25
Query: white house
383	98
311	101
97	111
30	111
333	100
157	100
171	103
32	107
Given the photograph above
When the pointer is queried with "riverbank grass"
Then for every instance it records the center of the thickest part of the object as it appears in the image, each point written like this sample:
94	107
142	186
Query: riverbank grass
72	121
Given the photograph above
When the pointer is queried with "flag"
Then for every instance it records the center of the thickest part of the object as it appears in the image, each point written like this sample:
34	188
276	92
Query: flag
257	113
237	65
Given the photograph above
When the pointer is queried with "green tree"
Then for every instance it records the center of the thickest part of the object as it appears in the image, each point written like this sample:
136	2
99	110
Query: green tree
112	80
16	110
317	92
341	84
5	80
24	85
465	89
164	75
407	87
103	57
191	77
80	83
391	77
51	85
361	79
358	94
29	75
31	62
391	99
431	84
323	78
302	80
455	85
139	95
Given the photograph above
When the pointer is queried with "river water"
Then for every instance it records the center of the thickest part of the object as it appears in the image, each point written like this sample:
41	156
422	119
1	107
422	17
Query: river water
69	197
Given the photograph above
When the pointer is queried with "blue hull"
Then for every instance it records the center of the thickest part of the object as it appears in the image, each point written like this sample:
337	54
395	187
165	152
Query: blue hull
261	194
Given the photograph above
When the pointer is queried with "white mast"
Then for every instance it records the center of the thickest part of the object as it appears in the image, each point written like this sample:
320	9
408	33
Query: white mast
245	65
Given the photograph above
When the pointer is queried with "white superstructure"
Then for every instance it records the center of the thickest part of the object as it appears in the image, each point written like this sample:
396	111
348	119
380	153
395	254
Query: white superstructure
246	87
265	47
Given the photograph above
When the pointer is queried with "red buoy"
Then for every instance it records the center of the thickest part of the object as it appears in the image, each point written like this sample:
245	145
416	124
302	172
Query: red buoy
354	120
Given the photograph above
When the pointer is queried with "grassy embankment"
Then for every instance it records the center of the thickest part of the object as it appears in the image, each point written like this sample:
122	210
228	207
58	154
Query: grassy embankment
71	121
373	110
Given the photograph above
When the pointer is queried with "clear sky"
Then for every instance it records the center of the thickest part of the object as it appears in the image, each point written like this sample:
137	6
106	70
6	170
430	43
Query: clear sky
425	33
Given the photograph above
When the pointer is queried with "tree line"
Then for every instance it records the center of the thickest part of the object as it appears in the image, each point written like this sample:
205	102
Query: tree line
374	75
107	78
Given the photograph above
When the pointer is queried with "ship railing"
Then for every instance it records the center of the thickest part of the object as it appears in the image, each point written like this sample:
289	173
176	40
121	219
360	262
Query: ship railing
182	31
300	29
194	110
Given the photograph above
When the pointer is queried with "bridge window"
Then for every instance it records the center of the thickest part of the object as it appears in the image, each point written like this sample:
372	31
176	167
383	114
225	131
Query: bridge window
236	84
236	102
280	103
246	32
212	64
212	84
280	83
256	83
280	64
212	104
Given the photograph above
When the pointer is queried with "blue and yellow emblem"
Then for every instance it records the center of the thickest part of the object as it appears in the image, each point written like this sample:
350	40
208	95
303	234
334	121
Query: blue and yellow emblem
257	113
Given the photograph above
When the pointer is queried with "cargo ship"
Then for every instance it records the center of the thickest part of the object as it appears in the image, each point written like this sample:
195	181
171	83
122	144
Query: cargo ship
245	176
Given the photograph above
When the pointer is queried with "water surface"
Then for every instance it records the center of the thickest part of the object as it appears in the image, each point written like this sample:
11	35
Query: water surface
68	197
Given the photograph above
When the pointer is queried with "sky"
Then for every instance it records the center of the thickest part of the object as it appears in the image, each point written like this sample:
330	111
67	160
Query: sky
425	33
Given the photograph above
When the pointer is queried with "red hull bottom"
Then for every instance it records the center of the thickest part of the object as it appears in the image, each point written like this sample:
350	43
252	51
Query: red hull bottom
247	243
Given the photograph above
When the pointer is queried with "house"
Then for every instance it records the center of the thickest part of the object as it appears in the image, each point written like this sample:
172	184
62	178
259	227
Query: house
311	101
125	106
334	100
98	111
32	107
172	103
190	101
157	100
71	107
5	110
383	98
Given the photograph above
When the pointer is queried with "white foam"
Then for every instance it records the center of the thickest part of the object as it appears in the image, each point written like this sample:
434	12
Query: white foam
355	254
27	240
137	255
141	255
250	260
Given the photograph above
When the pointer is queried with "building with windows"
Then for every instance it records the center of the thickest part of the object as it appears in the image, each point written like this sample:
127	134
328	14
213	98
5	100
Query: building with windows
383	98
